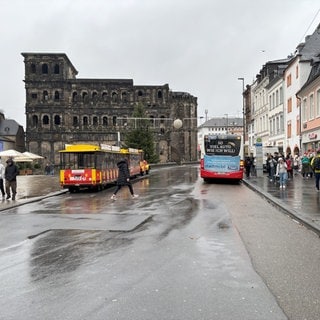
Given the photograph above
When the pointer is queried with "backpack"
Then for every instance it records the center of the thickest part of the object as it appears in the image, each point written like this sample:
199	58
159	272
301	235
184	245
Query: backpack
316	163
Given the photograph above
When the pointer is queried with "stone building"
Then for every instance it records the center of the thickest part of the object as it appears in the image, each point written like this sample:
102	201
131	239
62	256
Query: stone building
11	134
61	109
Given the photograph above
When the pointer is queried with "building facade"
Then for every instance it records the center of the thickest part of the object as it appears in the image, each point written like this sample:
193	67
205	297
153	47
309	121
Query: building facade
222	125
62	109
279	117
309	97
11	135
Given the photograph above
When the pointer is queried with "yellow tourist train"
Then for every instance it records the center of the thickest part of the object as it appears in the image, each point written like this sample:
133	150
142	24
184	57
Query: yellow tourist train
84	166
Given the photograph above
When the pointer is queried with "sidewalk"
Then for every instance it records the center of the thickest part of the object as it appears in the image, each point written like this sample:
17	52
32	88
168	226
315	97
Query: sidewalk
300	199
33	188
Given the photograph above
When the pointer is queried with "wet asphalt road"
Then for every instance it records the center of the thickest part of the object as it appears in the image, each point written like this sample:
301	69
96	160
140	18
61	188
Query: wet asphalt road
177	252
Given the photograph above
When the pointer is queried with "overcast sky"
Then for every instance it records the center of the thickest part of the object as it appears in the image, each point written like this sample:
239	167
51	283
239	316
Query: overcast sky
197	46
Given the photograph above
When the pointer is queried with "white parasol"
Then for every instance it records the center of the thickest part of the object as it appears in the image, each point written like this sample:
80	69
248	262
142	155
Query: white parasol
33	156
22	159
11	153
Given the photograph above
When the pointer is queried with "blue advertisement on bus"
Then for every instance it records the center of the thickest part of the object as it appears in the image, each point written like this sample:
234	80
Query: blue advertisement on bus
221	163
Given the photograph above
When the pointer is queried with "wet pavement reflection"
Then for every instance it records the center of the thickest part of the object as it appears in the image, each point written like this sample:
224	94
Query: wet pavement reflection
171	254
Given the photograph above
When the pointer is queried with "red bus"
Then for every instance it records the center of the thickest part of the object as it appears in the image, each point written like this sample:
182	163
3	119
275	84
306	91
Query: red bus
223	157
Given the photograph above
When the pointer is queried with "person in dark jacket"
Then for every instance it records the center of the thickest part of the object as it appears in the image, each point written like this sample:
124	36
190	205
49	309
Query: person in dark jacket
123	178
10	174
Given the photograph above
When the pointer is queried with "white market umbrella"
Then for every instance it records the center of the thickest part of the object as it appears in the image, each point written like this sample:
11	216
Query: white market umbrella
11	153
22	159
33	156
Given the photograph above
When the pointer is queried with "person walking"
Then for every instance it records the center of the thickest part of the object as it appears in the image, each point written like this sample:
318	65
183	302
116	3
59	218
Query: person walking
10	174
272	166
282	173
315	165
123	179
248	164
305	162
289	162
2	169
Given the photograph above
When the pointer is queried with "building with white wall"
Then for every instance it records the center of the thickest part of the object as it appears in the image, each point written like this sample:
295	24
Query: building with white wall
222	125
295	77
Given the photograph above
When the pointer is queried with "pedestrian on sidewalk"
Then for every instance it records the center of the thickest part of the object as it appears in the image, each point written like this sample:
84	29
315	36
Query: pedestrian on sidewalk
315	164
123	178
10	174
248	165
305	162
2	169
289	162
282	173
272	166
297	164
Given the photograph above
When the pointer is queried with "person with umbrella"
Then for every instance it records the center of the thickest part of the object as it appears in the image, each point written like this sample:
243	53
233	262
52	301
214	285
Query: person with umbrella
10	174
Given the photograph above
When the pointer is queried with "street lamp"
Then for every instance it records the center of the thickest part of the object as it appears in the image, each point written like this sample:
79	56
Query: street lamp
243	115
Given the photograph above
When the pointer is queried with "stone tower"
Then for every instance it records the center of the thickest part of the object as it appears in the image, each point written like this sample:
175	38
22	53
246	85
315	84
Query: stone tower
61	109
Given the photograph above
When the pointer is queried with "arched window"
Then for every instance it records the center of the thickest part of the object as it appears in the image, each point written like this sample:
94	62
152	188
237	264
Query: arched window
33	68
45	68
114	120
45	120
95	121
57	120
74	96
56	95
94	96
124	97
105	96
75	121
105	121
159	94
45	95
56	69
140	93
85	121
84	96
114	97
35	121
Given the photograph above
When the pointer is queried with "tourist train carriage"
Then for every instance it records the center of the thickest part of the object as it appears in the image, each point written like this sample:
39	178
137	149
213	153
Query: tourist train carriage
84	166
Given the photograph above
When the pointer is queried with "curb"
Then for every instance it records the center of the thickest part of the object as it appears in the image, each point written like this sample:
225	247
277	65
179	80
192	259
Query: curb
16	203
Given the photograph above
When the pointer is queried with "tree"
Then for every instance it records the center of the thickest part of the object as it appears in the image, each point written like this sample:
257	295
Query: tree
139	136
